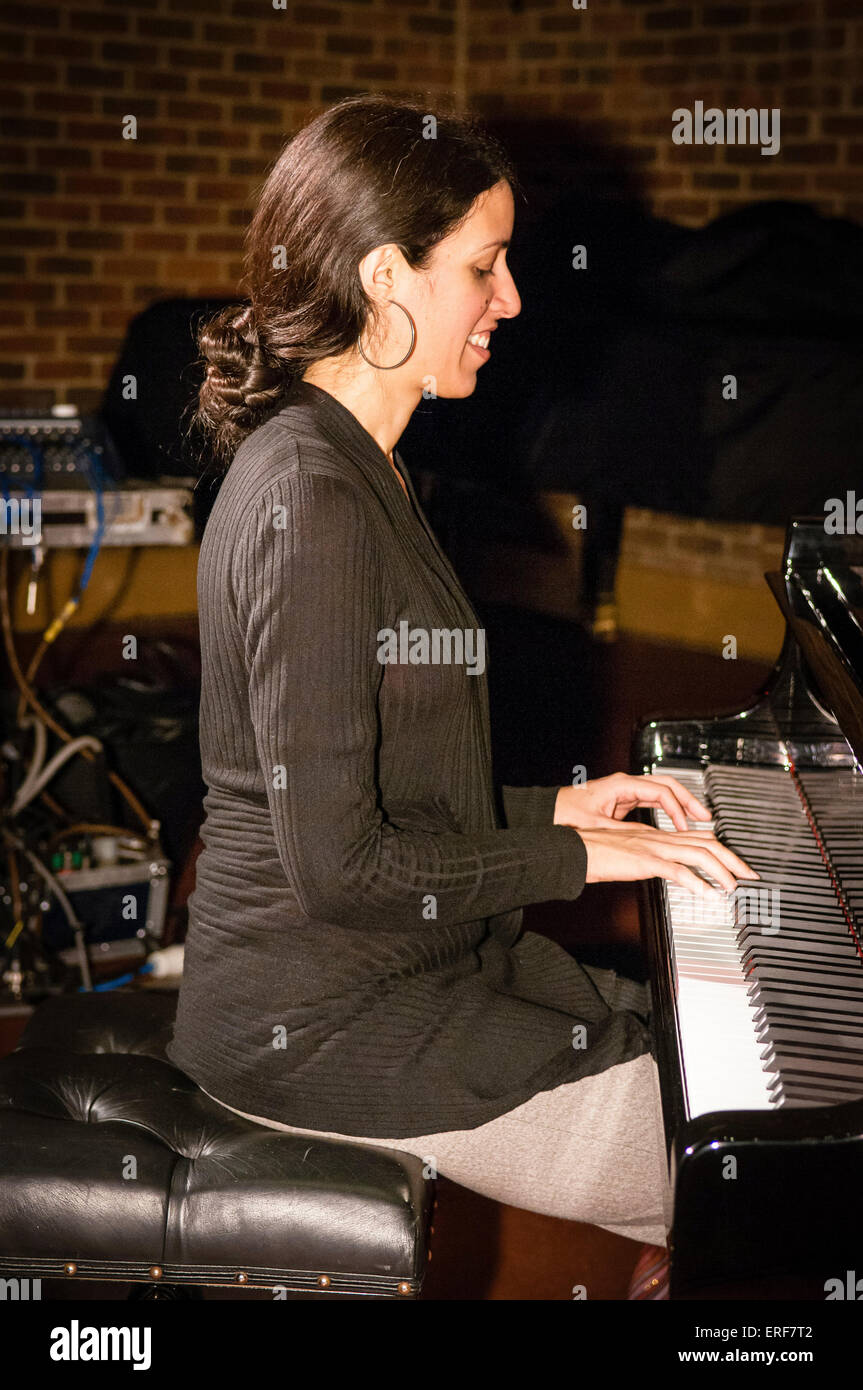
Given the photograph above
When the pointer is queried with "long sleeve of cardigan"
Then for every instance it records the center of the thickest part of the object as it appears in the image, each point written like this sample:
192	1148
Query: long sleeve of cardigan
528	805
308	583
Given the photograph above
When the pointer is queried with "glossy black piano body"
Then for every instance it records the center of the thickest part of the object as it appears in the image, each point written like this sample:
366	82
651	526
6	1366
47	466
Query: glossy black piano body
769	1202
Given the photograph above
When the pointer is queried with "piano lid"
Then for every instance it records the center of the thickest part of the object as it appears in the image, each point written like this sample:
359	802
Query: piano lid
810	712
820	592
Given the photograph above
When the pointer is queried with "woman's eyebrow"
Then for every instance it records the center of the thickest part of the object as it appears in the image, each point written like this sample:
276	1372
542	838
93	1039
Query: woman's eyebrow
491	243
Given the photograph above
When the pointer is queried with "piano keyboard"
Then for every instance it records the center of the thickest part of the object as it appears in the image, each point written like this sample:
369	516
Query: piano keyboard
769	981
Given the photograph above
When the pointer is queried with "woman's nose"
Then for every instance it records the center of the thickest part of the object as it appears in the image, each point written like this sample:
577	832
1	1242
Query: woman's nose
507	301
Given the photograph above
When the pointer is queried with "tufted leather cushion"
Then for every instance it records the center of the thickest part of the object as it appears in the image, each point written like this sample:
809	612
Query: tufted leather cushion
115	1161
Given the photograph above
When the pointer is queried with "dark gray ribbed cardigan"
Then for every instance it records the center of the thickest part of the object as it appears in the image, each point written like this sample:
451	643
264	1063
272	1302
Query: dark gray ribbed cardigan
355	959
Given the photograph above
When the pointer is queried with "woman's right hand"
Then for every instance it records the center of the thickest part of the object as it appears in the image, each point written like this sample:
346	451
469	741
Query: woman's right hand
633	851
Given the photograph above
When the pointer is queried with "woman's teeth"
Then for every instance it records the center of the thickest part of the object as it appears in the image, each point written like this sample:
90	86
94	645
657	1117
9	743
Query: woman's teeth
480	339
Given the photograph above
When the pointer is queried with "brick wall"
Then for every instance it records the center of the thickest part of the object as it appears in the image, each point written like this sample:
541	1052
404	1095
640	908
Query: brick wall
94	226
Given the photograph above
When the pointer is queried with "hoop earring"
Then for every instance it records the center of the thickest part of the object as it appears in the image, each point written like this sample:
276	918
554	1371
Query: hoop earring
407	354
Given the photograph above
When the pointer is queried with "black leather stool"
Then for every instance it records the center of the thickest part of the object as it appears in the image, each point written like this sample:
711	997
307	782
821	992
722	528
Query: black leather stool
114	1165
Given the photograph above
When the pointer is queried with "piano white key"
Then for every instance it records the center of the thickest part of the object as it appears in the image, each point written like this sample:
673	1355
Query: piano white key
730	979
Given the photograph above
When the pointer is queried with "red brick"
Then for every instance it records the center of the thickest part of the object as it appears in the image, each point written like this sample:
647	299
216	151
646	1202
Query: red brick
285	91
128	157
152	81
121	269
817	39
430	24
161	135
88	132
63	157
11	43
30	291
224	137
668	19
91	342
786	12
158	27
127	213
723	16
93	240
810	153
28	72
78	103
193	110
223	192
244	168
660	74
191	215
192	164
755	43
29	127
256	115
157	188
60	211
842	125
112	78
208	241
778	183
99	23
50	368
31	16
316	15
61	318
63	265
159	241
28	237
258	62
130	53
63	46
186	58
93	185
83	294
375	71
228	35
618	23
189	269
227	86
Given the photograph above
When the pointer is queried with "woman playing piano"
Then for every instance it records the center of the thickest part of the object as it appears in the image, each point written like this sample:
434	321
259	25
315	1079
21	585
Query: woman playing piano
355	964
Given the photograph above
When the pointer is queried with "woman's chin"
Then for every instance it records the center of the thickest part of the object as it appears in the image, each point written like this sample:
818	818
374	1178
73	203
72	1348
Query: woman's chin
458	386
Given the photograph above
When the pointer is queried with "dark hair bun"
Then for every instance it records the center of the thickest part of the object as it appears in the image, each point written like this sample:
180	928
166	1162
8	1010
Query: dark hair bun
242	383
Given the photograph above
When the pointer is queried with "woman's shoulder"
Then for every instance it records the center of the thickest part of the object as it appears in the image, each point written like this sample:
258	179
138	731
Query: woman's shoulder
279	452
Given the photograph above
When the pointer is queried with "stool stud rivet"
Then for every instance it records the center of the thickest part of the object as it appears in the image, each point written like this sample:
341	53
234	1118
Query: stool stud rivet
404	1288
155	1271
323	1281
242	1278
70	1268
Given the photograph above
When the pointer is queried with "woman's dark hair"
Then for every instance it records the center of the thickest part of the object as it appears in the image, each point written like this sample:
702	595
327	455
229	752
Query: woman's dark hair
370	170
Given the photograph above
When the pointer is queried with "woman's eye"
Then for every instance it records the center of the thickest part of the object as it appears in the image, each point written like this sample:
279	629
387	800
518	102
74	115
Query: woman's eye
482	272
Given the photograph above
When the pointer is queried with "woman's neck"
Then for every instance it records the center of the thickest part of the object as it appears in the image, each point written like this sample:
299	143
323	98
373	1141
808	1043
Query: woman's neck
382	409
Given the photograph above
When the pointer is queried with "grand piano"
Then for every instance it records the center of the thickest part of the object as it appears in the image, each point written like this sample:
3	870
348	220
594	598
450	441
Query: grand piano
758	995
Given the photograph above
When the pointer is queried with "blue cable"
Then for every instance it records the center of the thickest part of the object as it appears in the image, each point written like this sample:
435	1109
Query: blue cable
120	980
96	483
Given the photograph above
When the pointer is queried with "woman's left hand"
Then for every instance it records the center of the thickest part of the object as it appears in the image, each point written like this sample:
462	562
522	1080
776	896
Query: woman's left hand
606	799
